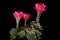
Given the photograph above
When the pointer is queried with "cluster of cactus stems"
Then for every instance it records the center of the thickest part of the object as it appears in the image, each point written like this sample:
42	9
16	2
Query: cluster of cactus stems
27	32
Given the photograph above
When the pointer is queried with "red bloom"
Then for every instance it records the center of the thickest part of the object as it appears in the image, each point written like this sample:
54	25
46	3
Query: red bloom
39	7
18	15
26	16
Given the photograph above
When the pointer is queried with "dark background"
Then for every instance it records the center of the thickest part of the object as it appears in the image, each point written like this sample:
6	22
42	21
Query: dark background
7	21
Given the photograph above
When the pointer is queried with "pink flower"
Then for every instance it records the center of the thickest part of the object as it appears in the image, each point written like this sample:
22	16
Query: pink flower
26	16
39	7
18	15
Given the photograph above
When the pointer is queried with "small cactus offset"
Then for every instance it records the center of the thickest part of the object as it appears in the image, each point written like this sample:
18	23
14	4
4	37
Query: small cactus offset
30	32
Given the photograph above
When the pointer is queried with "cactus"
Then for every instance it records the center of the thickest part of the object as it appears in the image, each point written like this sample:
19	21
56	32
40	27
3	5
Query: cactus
31	32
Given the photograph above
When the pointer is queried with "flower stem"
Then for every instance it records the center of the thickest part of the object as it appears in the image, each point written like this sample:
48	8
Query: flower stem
38	16
17	23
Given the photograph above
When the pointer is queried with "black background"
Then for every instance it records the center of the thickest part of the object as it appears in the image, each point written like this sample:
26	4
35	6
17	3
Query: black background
7	21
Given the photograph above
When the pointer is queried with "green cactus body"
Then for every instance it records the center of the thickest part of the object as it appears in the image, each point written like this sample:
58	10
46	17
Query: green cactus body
31	35
35	24
21	34
38	33
13	31
25	29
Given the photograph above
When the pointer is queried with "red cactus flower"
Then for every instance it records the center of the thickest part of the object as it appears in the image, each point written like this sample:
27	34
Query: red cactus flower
26	16
18	15
39	7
